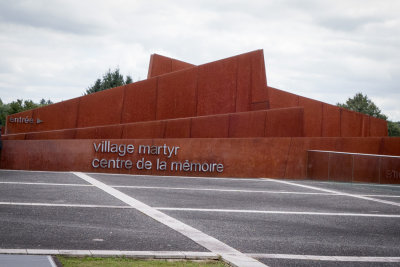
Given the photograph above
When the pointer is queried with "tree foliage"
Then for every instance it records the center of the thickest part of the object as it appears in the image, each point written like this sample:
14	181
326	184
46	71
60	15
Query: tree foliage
361	103
110	79
17	106
3	113
393	128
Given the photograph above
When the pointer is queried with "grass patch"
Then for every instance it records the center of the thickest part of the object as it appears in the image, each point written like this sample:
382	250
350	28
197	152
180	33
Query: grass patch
127	262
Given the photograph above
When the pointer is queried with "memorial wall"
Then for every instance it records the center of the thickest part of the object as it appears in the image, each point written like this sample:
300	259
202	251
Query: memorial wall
217	119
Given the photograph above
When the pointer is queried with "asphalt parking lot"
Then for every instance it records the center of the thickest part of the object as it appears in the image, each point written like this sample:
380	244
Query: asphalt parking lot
249	222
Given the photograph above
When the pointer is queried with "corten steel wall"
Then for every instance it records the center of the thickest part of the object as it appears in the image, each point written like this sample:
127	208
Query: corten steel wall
284	157
161	65
225	86
230	85
321	119
285	122
349	167
221	112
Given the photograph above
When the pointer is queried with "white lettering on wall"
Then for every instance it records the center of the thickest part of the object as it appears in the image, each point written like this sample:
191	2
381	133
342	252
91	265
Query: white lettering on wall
122	150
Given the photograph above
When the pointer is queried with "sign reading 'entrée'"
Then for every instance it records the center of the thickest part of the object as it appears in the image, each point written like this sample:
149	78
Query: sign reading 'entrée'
24	120
122	150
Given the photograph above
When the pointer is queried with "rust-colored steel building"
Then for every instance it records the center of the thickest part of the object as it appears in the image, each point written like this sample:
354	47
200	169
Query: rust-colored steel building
217	119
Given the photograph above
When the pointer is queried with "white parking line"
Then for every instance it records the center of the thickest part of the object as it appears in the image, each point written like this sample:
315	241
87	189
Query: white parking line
228	253
349	183
23	171
219	190
245	191
202	189
324	258
63	205
285	212
52	263
334	192
199	177
205	210
217	179
389	196
39	183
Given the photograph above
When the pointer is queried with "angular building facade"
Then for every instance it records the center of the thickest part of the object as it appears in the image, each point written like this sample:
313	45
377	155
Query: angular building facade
217	119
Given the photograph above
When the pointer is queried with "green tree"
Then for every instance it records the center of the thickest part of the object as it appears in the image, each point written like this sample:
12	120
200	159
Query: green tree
44	102
393	128
16	106
128	79
361	103
4	109
110	79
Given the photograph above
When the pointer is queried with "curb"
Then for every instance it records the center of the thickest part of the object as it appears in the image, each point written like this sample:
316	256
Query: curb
187	255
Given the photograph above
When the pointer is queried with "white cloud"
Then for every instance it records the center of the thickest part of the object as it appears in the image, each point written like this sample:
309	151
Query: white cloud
328	50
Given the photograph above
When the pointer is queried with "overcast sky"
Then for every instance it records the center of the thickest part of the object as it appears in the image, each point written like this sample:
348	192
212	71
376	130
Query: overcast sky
326	50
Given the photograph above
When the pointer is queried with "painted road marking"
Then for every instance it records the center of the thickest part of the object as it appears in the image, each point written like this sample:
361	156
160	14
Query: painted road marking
228	253
325	258
7	260
64	205
217	179
201	178
350	183
246	191
49	184
9	170
219	190
52	263
392	196
285	212
206	210
335	192
202	189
